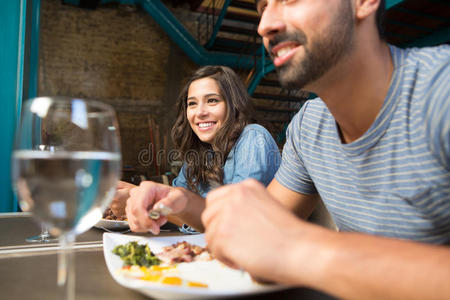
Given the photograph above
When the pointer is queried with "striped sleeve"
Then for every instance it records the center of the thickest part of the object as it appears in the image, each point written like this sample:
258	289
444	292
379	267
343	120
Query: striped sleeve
437	111
292	173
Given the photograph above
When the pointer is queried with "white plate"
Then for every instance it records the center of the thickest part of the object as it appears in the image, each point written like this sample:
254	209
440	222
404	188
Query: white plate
222	281
111	224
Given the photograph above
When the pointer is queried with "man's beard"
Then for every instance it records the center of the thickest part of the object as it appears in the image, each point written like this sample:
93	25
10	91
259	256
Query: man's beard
320	55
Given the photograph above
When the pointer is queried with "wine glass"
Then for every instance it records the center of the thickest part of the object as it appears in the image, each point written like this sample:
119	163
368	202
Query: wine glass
68	184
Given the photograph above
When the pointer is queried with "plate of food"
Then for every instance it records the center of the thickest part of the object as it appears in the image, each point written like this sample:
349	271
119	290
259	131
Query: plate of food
175	267
111	222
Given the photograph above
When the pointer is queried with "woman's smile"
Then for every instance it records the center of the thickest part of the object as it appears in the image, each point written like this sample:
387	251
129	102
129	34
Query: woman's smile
206	125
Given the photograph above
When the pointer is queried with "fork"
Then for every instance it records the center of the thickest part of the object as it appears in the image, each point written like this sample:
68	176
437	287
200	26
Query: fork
115	231
128	230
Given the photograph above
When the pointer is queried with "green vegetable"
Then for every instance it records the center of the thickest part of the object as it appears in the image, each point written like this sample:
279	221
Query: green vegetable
134	254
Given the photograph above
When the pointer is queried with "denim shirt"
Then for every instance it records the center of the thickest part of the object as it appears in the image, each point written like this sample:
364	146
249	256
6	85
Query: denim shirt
254	155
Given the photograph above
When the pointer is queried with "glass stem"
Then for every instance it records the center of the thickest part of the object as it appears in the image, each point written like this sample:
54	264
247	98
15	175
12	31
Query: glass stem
44	232
66	265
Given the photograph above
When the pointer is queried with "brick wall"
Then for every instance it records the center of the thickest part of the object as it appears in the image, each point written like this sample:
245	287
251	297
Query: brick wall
117	55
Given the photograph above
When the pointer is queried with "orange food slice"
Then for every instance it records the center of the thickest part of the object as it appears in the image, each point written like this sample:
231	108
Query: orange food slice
172	280
196	284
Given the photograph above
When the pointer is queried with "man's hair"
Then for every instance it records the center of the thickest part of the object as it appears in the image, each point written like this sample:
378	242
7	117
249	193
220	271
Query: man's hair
379	18
203	161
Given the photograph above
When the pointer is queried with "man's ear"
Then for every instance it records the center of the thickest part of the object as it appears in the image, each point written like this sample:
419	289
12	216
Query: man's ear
365	8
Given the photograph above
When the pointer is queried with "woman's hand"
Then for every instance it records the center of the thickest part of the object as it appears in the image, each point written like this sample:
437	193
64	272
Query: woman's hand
119	201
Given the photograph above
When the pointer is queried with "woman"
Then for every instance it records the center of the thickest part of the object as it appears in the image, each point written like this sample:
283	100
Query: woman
218	144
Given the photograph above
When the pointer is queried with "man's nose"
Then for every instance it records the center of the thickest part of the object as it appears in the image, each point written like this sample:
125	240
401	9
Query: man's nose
271	21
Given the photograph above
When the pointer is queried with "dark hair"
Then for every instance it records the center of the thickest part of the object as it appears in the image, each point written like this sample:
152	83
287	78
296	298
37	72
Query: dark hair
204	162
379	18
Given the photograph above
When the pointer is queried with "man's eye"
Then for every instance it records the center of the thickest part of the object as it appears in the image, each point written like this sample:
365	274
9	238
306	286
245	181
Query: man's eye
261	9
286	1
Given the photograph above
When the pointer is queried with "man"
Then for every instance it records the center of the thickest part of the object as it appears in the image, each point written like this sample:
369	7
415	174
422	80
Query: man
375	147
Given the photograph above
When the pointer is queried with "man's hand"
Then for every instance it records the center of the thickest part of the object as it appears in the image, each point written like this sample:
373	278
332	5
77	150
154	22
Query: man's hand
144	197
119	201
247	228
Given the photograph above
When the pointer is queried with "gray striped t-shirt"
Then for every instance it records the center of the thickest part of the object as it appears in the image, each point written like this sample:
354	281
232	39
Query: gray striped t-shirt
395	179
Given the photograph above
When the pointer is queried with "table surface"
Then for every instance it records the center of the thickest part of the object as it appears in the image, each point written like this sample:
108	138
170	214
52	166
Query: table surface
28	271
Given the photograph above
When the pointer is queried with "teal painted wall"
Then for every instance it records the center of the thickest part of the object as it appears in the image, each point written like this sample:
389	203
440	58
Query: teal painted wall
12	33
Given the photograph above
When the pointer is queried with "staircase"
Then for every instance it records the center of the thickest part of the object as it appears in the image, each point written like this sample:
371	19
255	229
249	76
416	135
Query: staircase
417	23
236	32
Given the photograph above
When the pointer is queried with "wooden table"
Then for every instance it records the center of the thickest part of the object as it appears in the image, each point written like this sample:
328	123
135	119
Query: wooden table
28	271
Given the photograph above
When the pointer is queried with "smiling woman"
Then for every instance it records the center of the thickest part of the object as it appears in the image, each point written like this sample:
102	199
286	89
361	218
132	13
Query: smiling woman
213	131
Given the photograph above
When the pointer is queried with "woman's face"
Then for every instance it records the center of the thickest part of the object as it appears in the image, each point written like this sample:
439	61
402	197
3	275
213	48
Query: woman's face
206	108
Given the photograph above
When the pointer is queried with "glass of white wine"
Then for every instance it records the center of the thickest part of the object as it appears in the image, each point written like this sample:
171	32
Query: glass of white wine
66	164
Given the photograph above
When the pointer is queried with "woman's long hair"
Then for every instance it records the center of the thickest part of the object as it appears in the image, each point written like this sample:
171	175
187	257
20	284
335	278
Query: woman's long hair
204	162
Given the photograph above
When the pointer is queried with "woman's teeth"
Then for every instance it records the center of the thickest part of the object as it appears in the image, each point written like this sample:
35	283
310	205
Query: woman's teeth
204	125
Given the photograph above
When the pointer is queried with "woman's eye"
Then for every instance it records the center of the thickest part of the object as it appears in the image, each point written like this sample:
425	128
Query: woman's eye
191	103
213	100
